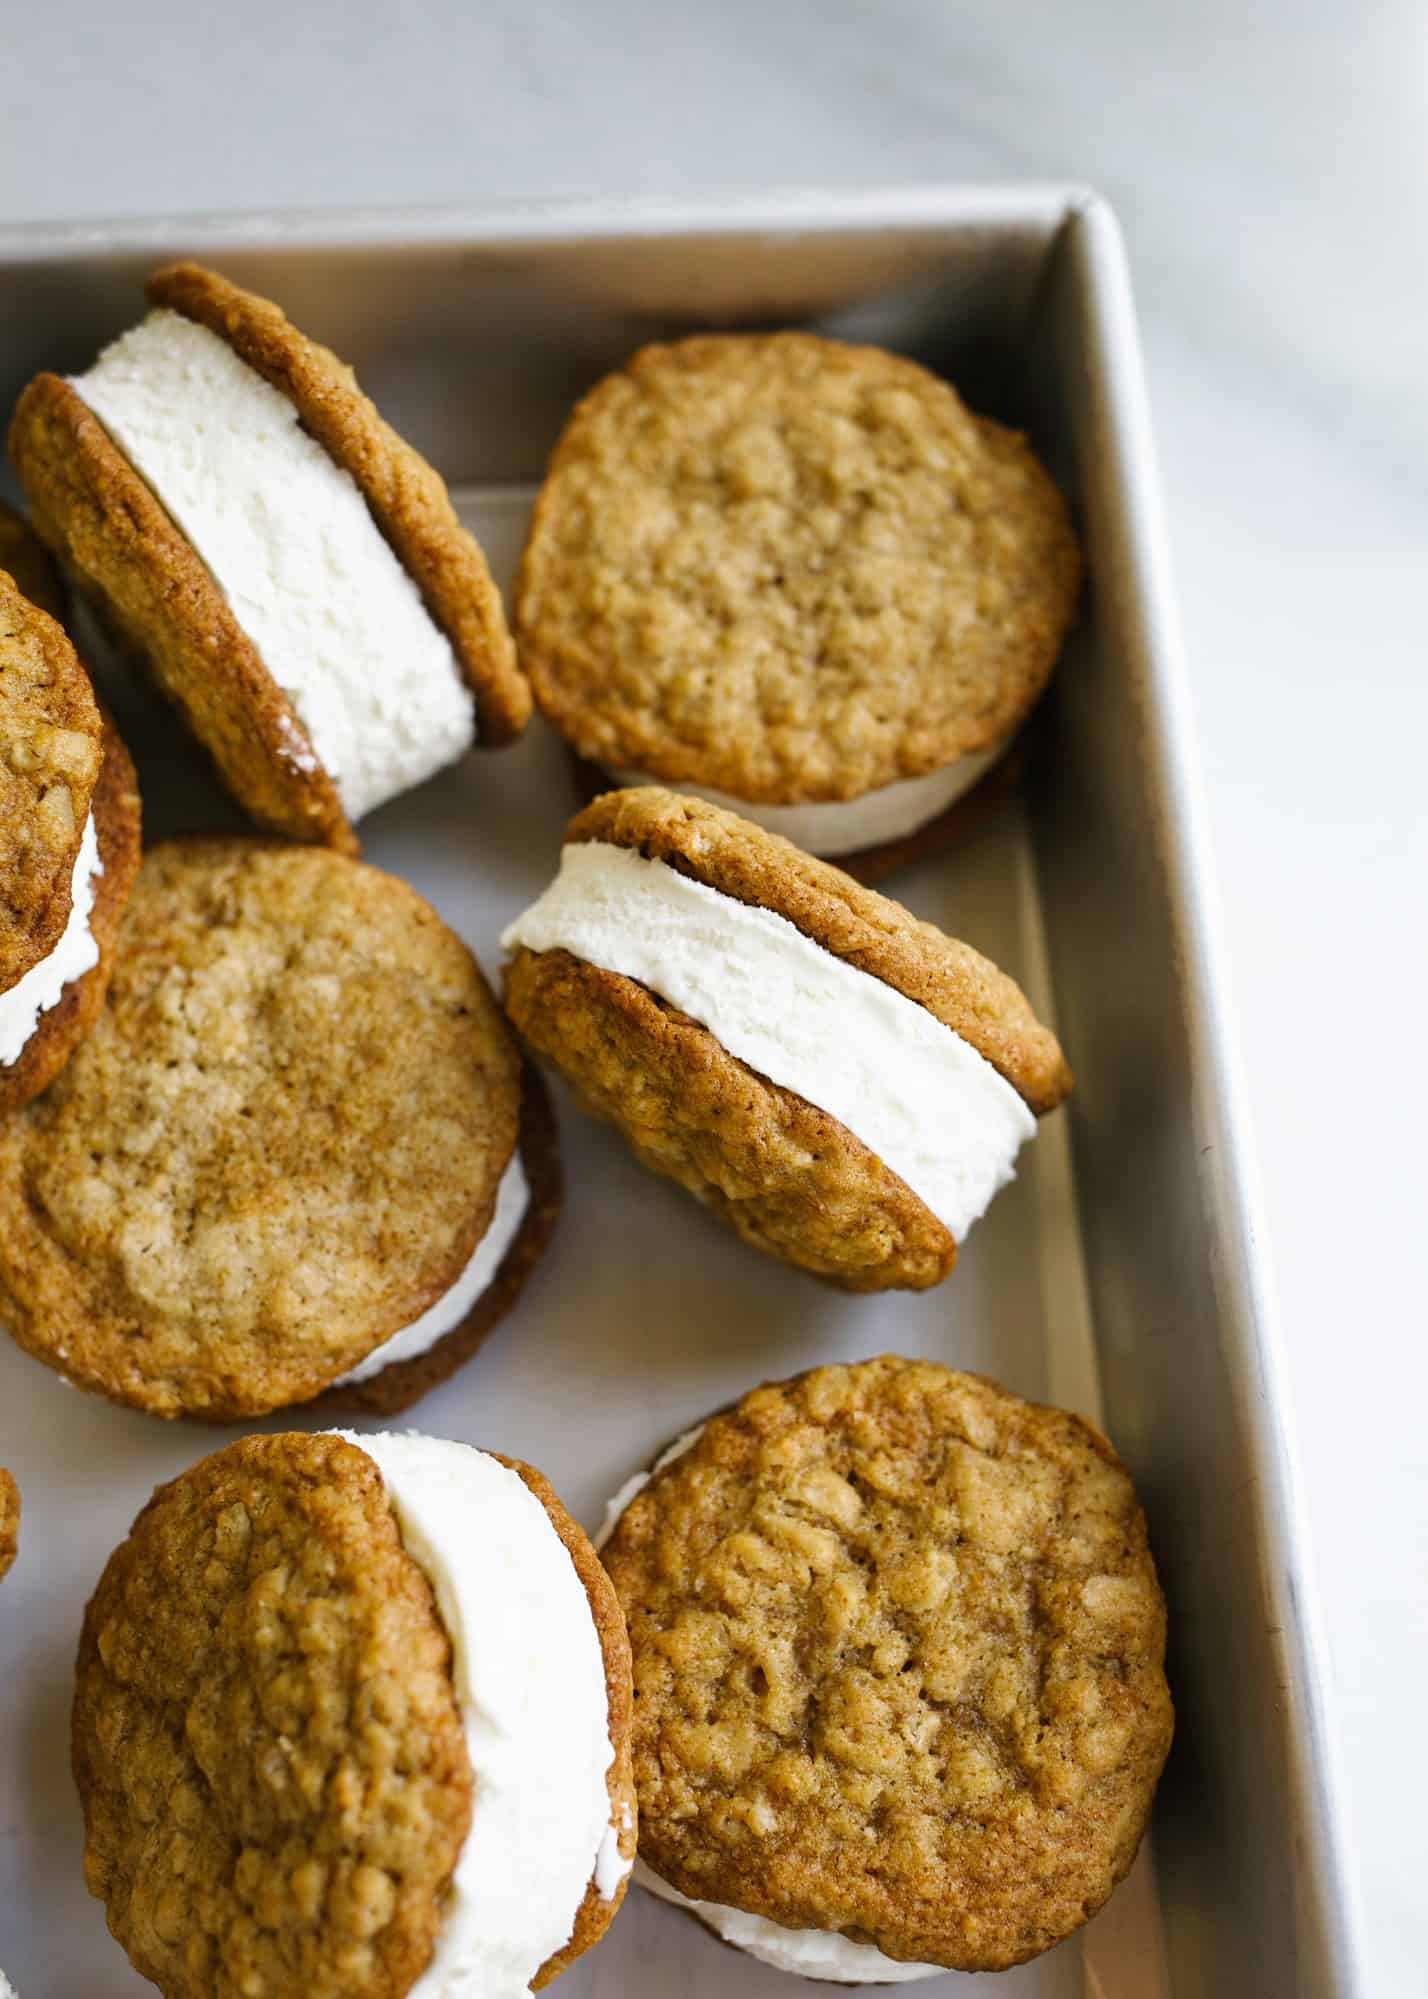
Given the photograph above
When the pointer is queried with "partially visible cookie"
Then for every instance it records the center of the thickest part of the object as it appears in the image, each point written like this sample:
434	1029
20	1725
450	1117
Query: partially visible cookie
795	577
846	1086
290	569
24	555
51	749
9	1520
70	1008
280	1144
352	1718
898	1652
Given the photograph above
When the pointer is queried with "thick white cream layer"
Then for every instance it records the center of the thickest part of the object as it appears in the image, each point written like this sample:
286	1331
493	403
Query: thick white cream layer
811	1953
512	1199
530	1678
915	1093
846	826
75	954
285	531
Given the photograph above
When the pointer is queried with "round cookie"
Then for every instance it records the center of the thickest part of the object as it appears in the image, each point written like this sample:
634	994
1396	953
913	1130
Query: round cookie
898	1651
9	1520
280	1145
645	1012
279	1654
275	743
61	1027
796	577
24	555
51	749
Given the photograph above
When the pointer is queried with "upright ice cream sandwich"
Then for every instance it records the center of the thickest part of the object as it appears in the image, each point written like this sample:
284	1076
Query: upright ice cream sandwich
844	1085
289	568
352	1721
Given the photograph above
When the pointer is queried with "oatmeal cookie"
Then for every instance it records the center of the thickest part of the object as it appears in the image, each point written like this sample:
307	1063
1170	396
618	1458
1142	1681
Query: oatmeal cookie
898	1650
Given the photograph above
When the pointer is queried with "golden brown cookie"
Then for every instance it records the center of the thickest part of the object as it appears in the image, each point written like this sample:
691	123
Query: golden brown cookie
117	821
50	752
789	1176
406	497
790	569
278	1146
898	1651
24	555
9	1520
267	1742
404	1382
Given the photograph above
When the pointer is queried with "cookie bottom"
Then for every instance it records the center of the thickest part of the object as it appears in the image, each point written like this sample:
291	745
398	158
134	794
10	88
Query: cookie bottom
870	865
404	1382
59	1030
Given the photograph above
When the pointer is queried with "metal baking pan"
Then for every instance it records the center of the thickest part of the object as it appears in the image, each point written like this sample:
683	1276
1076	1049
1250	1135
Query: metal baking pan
1119	1274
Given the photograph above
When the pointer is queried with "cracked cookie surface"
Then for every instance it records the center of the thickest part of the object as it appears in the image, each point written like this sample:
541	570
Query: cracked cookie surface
898	1647
789	568
278	1145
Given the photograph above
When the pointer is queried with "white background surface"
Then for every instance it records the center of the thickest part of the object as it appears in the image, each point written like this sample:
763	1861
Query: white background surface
1270	166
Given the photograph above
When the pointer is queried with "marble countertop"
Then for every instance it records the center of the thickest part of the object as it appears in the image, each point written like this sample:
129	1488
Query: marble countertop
1270	167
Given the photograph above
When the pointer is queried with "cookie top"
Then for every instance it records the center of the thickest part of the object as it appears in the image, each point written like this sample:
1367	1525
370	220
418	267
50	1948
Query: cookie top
279	1144
405	496
9	1520
790	569
50	754
956	984
898	1649
59	1030
267	1741
24	555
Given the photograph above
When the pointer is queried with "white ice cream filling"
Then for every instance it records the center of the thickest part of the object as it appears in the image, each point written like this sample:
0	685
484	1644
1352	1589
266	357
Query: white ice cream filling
811	1953
512	1199
917	1095
846	826
529	1675
76	953
286	534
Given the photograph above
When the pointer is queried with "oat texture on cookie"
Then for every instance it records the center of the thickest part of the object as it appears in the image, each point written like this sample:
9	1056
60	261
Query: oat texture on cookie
279	1144
51	750
791	569
266	1738
72	1010
898	1651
